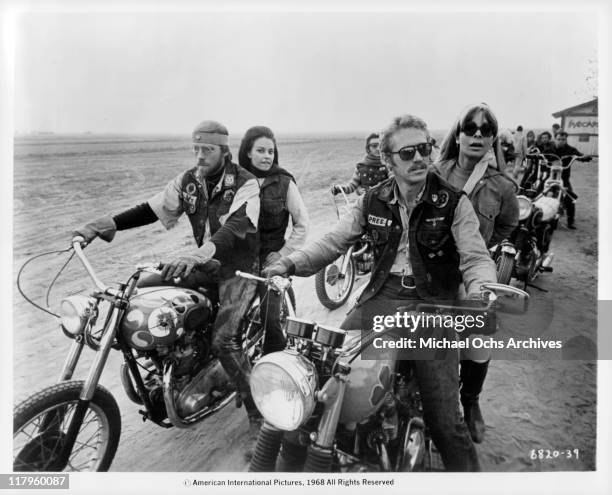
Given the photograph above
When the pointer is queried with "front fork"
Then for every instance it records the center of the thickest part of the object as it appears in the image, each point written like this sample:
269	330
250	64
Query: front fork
93	378
319	457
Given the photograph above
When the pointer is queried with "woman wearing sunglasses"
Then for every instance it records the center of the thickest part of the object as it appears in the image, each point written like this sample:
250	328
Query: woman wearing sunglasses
471	159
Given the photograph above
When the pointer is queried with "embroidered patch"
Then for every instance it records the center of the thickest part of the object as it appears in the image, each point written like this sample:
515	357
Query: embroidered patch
434	220
380	221
229	180
190	203
228	196
191	188
440	200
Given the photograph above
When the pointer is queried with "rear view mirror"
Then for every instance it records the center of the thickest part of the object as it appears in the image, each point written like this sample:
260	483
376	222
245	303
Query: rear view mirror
509	299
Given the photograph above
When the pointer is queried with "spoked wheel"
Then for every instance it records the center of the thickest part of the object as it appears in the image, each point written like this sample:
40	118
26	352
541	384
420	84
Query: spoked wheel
334	287
40	424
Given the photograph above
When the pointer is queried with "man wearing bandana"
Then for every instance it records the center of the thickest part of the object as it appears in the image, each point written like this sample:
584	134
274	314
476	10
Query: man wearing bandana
221	200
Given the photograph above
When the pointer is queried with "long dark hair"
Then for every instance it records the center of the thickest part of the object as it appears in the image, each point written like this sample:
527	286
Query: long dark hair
246	145
450	147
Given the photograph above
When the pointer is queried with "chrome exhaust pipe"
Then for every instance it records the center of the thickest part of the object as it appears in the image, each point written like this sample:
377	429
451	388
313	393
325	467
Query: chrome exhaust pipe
173	415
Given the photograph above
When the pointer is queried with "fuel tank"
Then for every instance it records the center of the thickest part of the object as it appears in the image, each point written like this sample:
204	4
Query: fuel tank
369	379
157	316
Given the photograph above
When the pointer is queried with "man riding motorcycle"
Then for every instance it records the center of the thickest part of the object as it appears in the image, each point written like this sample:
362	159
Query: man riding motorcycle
368	172
562	149
426	239
221	200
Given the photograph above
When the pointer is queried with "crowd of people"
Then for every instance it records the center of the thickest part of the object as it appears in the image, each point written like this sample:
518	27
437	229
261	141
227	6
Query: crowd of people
432	212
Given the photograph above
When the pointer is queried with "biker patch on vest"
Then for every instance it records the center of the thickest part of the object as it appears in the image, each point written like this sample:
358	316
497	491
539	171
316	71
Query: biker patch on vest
229	180
434	220
190	198
380	221
228	196
440	200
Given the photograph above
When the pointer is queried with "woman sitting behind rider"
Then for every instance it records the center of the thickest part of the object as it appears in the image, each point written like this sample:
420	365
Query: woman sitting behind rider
471	159
280	200
368	172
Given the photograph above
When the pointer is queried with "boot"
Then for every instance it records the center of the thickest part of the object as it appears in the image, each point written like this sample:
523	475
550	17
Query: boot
472	376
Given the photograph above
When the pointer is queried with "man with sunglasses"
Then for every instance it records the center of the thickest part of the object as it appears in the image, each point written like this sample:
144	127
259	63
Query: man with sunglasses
368	172
221	201
426	241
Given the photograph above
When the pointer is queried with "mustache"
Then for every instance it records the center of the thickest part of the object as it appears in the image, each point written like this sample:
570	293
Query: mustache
418	166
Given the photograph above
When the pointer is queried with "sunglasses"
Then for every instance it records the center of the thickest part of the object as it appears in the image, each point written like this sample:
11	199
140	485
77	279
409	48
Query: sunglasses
470	128
407	152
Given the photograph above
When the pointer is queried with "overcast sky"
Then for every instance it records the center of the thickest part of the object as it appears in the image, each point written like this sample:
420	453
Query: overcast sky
295	72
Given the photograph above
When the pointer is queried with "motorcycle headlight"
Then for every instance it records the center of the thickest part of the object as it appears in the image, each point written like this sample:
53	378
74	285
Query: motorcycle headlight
283	385
75	312
524	207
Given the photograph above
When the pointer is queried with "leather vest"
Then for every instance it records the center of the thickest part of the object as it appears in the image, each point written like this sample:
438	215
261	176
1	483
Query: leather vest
370	175
432	251
274	213
202	210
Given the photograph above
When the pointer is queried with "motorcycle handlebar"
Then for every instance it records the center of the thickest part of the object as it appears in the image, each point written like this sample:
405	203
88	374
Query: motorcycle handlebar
77	242
278	283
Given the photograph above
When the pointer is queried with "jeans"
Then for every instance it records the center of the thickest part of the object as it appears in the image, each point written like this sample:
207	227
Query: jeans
270	308
438	381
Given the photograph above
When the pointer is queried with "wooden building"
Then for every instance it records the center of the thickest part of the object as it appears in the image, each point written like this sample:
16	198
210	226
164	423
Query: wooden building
582	127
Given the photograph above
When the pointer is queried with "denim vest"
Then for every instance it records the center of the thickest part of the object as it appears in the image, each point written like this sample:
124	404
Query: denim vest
199	208
432	251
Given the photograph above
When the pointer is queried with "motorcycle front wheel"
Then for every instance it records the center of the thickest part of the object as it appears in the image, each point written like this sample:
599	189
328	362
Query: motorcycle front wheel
334	287
40	424
504	267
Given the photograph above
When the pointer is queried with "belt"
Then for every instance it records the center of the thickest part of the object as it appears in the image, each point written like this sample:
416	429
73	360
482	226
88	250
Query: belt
406	281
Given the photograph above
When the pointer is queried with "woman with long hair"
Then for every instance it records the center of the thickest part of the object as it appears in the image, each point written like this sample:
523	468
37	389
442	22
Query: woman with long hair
280	202
471	159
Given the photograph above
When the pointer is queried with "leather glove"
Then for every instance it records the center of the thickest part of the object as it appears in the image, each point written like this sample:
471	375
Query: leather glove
103	227
184	265
272	257
283	267
335	189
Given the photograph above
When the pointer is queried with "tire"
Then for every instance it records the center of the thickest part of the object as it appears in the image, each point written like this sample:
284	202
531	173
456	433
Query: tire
332	273
504	267
28	455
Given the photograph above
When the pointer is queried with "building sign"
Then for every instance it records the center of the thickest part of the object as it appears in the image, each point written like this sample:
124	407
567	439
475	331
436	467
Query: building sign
581	125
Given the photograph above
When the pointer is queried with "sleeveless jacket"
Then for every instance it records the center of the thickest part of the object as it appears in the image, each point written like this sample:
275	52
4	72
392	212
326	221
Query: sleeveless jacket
274	213
432	251
204	212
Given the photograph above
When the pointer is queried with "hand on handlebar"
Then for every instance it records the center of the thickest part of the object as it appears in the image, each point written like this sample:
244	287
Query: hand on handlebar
283	267
336	189
103	227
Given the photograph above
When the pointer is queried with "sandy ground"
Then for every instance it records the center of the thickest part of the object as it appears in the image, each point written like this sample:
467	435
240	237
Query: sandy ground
527	404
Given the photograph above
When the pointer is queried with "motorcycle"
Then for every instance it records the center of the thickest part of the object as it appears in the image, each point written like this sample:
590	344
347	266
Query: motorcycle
541	204
325	410
334	283
165	336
